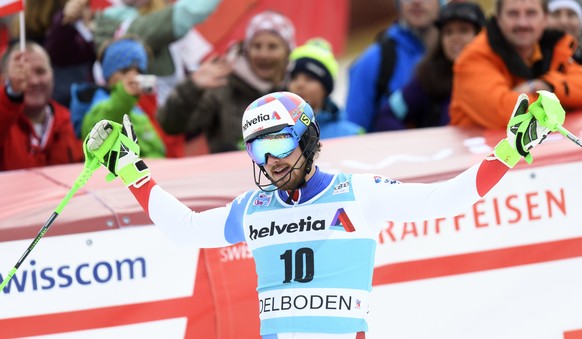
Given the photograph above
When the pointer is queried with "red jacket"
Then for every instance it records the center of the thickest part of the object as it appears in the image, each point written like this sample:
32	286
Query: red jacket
17	151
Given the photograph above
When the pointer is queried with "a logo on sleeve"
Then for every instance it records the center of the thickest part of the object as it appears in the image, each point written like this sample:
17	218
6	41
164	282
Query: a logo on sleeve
381	180
342	187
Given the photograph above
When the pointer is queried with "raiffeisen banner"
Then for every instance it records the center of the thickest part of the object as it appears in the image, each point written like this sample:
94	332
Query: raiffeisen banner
509	267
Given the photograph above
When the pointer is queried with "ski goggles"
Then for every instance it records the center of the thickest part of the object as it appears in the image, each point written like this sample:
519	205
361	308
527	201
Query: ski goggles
278	145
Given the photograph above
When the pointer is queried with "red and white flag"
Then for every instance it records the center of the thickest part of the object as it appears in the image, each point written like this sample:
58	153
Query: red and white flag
8	7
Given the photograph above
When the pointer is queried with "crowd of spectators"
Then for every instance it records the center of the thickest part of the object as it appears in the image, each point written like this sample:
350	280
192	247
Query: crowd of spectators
517	53
439	63
425	99
213	99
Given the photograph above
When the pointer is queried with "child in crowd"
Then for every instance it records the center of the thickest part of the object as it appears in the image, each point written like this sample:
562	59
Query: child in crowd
312	72
122	61
159	24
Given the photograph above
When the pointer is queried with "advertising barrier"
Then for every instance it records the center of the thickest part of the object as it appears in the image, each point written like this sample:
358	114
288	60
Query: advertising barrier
509	267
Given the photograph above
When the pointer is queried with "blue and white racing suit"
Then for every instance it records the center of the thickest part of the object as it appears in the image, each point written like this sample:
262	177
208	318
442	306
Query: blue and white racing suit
315	256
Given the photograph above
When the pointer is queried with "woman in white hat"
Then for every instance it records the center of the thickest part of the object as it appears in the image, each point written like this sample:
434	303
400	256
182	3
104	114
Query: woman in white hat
566	16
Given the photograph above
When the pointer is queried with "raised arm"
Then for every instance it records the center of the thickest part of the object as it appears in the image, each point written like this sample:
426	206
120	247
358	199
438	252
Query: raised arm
12	92
160	28
116	148
407	202
190	107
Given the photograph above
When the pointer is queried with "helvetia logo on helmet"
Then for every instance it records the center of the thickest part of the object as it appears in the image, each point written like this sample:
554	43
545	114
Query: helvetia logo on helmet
303	225
256	120
261	118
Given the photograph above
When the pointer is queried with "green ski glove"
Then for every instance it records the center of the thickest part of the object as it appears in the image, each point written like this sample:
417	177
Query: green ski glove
548	111
524	130
115	147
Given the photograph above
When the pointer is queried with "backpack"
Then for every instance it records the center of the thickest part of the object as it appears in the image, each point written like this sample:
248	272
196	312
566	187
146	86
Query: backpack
387	63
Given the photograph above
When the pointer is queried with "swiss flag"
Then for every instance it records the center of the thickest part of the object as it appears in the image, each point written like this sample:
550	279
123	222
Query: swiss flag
8	7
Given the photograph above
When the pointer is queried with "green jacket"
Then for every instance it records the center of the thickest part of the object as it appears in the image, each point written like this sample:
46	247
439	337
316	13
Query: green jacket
113	108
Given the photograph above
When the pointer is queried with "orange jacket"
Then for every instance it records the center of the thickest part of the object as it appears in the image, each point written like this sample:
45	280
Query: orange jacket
487	70
17	150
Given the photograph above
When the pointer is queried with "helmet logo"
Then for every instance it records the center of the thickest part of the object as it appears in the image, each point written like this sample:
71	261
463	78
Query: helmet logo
305	119
269	115
256	120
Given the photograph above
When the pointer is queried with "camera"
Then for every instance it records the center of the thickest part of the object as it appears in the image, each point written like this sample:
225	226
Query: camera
147	83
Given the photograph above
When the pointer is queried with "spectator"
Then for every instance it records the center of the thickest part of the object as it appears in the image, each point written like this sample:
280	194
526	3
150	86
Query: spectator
62	28
388	64
425	100
313	70
123	60
566	16
69	42
213	99
516	54
34	129
37	19
158	25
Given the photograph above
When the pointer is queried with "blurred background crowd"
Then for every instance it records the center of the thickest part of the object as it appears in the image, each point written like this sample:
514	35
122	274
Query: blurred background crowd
185	70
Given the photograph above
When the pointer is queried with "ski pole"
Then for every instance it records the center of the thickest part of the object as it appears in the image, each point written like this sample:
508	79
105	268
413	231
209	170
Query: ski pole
568	135
81	180
550	114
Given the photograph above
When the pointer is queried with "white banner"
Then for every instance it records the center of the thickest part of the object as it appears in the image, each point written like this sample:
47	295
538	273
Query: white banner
94	270
510	267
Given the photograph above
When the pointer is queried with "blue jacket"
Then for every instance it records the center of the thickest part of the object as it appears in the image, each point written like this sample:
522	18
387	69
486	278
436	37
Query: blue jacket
361	107
333	124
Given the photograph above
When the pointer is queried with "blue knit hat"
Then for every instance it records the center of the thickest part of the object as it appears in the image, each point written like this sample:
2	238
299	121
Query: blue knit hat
123	54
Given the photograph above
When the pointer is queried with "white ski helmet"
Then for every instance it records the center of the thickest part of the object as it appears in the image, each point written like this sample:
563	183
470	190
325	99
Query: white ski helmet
275	111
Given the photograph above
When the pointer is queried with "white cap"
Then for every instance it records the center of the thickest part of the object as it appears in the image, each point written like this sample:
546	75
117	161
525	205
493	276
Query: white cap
574	5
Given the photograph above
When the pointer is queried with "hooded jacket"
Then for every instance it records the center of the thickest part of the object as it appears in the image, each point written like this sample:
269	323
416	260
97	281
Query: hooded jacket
488	69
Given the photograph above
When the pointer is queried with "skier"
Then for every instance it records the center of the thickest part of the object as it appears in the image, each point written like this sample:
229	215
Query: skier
312	234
